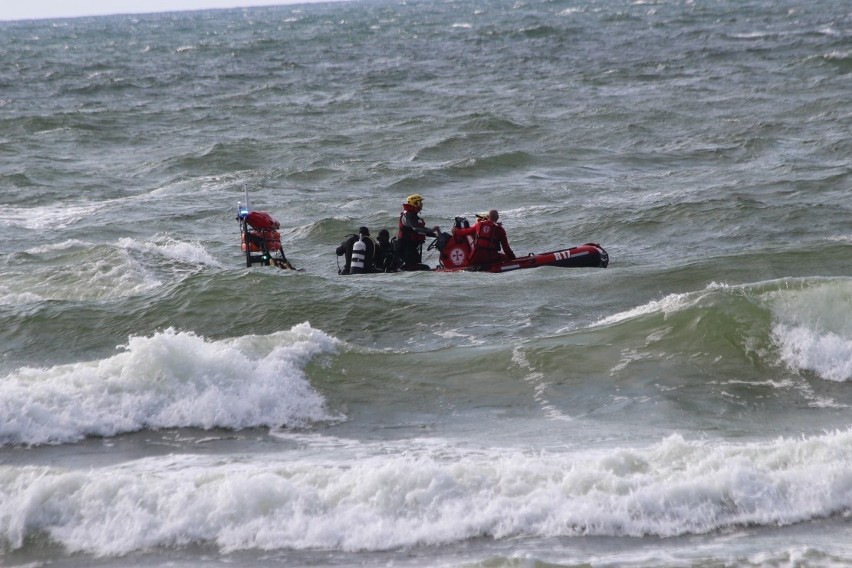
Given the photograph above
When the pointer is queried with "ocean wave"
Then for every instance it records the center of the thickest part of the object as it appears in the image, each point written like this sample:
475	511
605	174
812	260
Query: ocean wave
803	324
842	59
78	270
11	296
75	270
170	248
168	380
813	328
476	165
50	217
375	496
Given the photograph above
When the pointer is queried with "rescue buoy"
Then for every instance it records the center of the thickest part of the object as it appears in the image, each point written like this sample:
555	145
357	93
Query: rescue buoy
359	255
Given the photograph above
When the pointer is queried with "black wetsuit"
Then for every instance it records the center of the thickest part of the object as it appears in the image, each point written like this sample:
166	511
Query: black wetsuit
345	249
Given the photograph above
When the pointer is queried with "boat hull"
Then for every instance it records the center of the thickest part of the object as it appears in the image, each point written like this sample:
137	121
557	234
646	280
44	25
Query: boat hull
590	255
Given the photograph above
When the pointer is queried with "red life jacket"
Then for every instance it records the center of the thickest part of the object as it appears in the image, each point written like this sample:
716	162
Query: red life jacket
406	233
486	241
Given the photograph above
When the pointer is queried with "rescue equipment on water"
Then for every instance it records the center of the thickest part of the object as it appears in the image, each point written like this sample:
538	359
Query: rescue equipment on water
259	237
455	255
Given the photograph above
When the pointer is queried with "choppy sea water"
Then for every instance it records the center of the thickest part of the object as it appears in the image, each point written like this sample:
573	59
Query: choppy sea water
161	404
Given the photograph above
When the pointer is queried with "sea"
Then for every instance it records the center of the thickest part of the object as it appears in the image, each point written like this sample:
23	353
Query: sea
164	405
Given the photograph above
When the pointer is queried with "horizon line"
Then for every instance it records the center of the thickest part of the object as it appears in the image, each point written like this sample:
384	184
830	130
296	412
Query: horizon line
29	13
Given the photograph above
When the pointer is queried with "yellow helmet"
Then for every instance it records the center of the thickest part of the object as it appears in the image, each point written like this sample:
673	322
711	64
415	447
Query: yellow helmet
415	200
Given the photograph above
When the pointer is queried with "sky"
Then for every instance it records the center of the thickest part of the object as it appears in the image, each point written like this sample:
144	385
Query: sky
37	9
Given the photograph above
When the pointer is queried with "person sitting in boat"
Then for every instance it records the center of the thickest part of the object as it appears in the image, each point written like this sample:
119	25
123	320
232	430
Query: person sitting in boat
363	259
489	237
384	259
412	234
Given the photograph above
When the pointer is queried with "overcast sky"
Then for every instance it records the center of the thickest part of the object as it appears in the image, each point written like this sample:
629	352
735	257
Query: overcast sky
30	9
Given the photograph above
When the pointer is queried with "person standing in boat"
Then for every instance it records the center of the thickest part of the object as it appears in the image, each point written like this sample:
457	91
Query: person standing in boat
412	234
364	259
489	237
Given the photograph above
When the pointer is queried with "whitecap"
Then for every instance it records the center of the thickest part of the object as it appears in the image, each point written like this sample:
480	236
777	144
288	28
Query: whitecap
168	380
345	495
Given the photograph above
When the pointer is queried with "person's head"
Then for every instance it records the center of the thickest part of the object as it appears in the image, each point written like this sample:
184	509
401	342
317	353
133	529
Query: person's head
384	236
493	215
415	200
364	232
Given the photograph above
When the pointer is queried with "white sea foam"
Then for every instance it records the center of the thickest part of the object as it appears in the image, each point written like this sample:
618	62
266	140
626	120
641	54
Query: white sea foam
460	337
811	320
813	328
48	217
173	249
76	270
826	354
67	244
671	303
373	498
81	270
63	215
12	297
171	379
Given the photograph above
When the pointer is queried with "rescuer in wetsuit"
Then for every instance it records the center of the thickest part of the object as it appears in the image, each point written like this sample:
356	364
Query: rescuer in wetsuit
412	234
489	237
345	249
384	260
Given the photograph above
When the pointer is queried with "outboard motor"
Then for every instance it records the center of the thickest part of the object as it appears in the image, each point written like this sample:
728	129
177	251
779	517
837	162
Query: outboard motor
359	255
442	240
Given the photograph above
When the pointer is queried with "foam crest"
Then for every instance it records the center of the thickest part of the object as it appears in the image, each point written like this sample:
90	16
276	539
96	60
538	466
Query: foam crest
10	297
811	319
87	271
813	328
66	245
74	270
373	499
826	354
169	380
172	249
669	304
48	217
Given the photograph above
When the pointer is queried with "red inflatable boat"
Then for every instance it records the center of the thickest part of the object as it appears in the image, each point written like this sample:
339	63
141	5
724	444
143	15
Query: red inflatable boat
455	252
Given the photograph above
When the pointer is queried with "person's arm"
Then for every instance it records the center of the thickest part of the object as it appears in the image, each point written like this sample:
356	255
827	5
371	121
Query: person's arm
341	250
504	242
464	232
409	219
